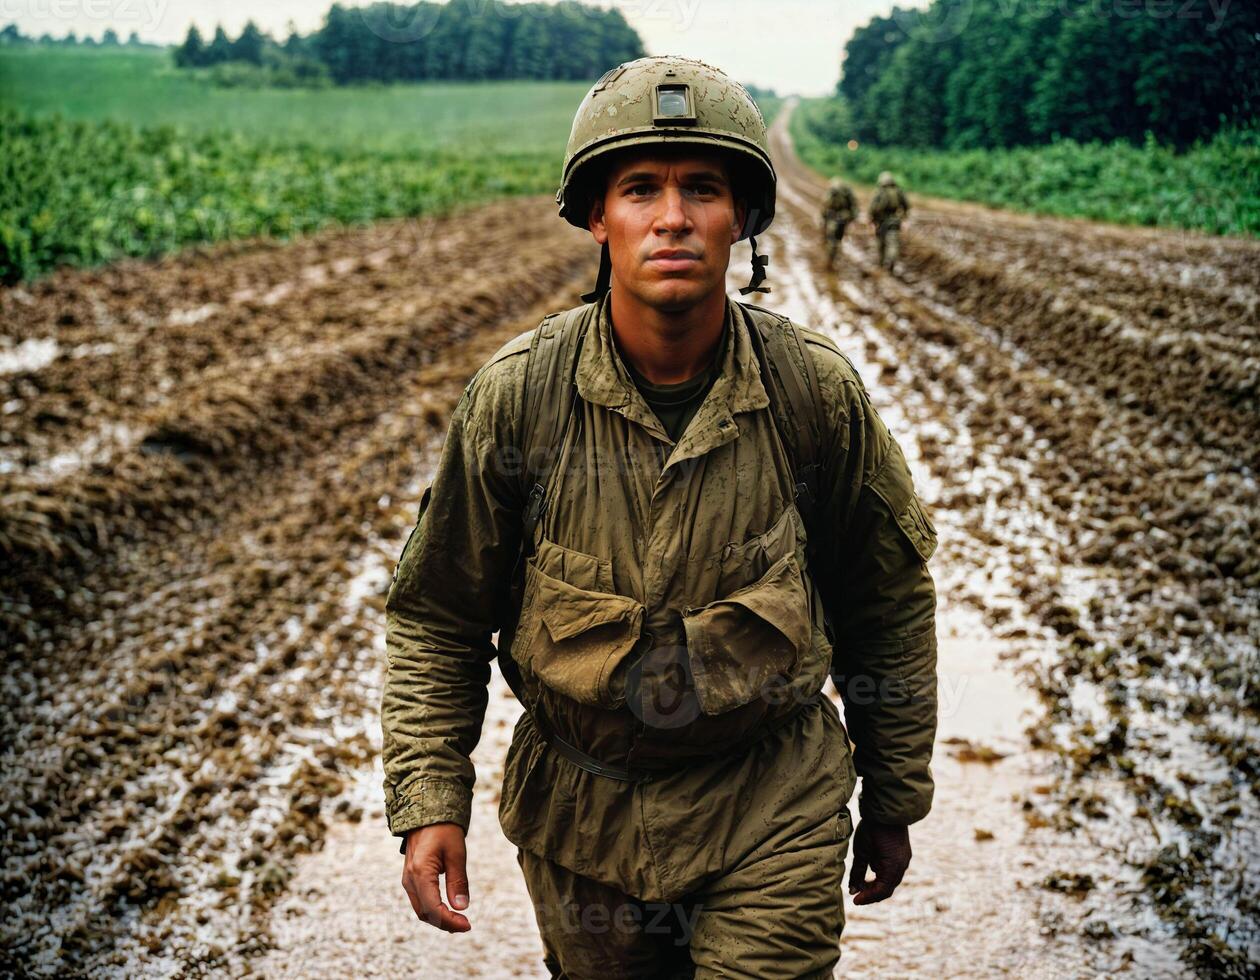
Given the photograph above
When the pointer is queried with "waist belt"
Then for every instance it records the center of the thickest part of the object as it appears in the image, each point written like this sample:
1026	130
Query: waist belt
584	760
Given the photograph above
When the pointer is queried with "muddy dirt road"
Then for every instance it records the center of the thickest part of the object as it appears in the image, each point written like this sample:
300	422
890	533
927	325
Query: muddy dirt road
208	465
1086	403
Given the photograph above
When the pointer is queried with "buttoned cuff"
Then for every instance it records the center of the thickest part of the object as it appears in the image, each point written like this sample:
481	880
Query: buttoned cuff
429	801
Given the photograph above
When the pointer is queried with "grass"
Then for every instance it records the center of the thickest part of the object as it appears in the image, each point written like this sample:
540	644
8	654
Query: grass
80	193
117	153
144	88
1213	187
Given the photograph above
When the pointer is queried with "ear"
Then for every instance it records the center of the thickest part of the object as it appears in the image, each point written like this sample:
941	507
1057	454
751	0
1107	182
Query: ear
595	221
741	213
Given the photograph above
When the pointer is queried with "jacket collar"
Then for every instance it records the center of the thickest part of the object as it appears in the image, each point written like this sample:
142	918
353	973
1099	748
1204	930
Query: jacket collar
602	379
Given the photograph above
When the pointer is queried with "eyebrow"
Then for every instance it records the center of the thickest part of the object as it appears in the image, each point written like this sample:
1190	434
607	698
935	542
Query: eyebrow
713	176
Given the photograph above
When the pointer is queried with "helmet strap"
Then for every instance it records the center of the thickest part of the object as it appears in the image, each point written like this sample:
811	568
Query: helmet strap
602	280
759	263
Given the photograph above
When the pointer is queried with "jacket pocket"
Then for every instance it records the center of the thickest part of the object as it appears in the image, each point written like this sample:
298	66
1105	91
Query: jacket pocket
738	644
578	637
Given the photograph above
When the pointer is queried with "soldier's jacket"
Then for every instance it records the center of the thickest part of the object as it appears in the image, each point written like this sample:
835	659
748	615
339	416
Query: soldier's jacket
840	205
668	611
889	206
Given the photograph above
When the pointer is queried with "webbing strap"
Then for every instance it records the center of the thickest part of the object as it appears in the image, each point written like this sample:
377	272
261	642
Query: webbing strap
550	393
794	401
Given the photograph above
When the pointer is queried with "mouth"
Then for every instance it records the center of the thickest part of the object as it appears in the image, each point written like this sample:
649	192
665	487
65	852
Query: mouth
673	259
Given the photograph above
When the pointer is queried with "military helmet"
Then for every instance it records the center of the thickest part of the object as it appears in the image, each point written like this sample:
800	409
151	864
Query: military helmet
668	101
886	179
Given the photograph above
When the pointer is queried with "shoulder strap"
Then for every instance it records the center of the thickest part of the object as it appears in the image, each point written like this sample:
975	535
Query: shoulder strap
795	399
549	395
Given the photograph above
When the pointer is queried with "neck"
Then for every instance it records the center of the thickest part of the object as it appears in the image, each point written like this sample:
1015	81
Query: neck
667	347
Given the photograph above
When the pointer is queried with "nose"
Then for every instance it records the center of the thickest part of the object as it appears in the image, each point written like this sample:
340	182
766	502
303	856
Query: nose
672	218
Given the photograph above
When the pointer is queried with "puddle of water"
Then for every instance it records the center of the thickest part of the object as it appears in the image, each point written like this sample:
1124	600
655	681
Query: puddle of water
186	318
97	447
30	355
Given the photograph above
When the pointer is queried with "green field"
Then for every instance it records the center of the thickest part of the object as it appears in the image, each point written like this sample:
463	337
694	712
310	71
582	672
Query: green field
115	153
1213	187
144	88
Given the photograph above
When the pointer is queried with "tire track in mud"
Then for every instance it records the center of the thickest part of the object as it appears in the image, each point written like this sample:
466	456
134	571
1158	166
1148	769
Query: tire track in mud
193	619
128	337
1102	435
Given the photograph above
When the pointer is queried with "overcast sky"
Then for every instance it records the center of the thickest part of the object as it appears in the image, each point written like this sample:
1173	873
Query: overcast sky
789	45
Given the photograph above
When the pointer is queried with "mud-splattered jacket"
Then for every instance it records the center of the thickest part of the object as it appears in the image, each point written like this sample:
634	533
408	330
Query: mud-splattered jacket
668	611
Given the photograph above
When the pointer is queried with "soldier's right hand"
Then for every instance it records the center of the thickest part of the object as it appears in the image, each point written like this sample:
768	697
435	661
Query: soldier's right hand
431	851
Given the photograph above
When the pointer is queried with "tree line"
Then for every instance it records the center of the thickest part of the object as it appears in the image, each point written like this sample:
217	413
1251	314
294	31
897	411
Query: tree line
468	40
12	34
998	73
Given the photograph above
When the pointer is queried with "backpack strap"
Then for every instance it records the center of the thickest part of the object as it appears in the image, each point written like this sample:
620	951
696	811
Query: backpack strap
550	392
549	396
795	401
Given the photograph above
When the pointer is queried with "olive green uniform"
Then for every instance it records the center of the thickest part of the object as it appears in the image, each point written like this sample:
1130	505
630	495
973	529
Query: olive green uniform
839	208
888	207
669	611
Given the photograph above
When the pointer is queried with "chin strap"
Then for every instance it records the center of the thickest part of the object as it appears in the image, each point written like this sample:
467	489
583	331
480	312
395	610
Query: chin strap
759	263
602	280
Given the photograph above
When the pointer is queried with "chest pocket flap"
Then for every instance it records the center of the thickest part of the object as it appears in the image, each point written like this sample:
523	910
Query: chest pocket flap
584	635
739	643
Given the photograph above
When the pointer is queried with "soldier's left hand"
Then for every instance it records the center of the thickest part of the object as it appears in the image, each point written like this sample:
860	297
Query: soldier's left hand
883	848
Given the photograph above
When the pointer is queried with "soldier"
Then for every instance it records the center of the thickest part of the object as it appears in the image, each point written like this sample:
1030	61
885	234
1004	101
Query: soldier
888	210
839	208
681	513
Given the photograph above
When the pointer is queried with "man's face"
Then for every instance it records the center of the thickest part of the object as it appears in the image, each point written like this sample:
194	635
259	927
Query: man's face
669	220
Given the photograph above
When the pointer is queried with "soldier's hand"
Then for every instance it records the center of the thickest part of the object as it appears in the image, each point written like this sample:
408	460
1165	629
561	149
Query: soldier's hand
883	848
433	850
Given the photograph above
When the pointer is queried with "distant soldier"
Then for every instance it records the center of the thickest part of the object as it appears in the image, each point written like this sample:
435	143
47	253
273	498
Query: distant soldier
839	209
888	209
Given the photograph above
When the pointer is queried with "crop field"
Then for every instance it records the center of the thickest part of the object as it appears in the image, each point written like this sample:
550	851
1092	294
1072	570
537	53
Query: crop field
113	154
210	458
